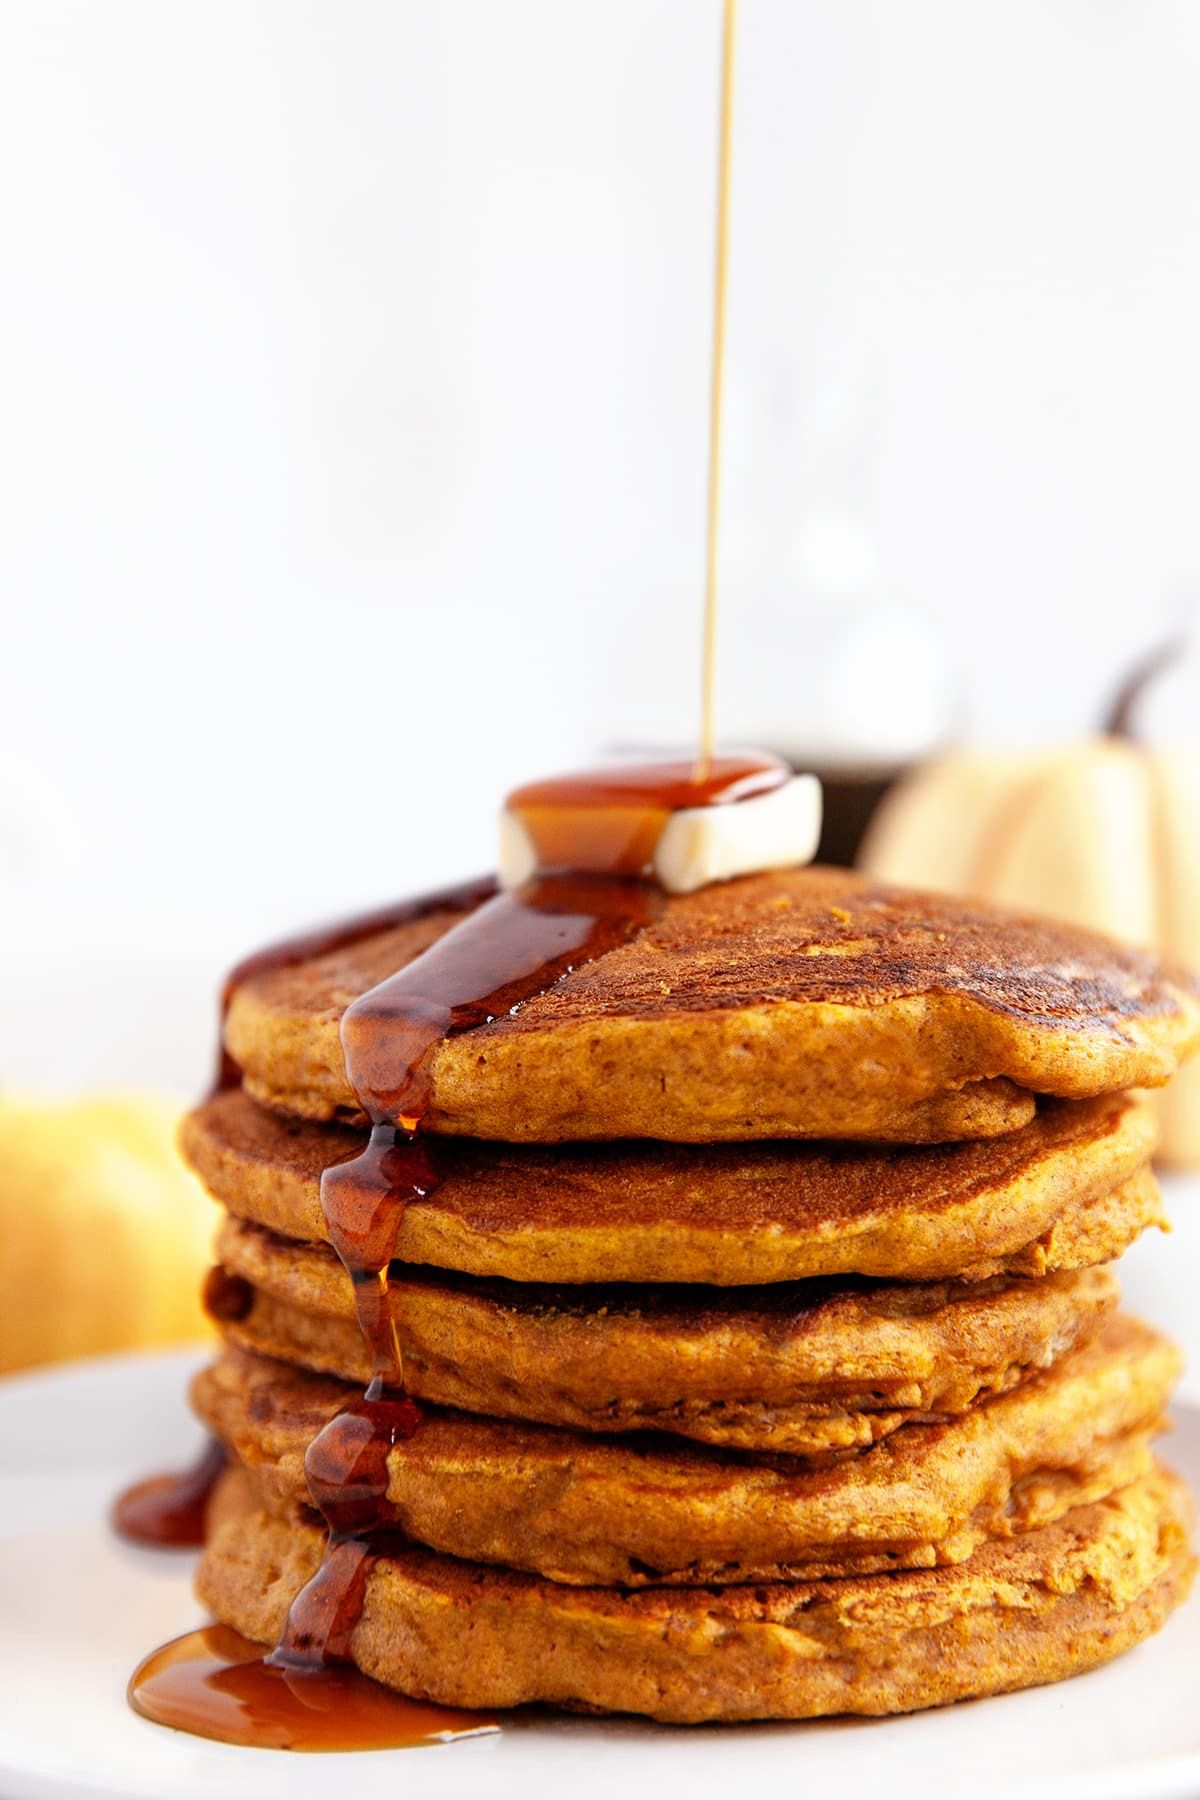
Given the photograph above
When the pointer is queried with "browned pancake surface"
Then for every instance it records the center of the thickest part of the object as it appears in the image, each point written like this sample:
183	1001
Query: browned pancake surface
810	1368
1070	1189
804	1003
1021	1612
627	1512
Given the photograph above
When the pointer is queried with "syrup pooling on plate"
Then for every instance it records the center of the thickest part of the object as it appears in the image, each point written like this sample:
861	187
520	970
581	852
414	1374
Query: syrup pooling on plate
167	1511
216	1684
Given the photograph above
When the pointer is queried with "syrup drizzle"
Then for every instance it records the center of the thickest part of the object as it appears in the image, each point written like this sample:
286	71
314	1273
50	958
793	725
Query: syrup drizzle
324	940
708	668
594	837
346	1468
166	1512
511	947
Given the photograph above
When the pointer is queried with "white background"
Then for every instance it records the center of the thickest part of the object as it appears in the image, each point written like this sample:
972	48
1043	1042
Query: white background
352	409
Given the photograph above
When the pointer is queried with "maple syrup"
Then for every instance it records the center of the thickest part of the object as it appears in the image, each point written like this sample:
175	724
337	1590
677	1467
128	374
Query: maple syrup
346	1468
610	820
226	1297
166	1512
510	948
593	836
215	1683
716	400
340	934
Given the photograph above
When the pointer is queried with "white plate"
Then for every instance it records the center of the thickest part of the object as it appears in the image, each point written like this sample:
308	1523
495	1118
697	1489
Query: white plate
78	1610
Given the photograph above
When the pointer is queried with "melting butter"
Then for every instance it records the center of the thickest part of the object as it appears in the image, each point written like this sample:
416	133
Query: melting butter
700	845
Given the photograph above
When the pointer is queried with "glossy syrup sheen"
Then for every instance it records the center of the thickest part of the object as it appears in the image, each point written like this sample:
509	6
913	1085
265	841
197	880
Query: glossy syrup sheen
215	1683
610	820
339	934
167	1511
509	947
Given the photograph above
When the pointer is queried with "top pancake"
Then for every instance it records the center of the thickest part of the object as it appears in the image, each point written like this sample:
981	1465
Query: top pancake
804	1003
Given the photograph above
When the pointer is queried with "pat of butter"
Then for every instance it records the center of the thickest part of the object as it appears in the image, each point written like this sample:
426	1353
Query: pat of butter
517	862
714	843
704	844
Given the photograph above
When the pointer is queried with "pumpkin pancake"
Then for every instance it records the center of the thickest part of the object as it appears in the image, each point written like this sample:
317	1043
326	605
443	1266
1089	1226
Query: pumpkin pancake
804	1003
1069	1190
1019	1613
628	1512
811	1368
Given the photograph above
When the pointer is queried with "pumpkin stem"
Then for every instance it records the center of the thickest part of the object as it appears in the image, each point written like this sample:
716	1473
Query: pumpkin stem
1120	721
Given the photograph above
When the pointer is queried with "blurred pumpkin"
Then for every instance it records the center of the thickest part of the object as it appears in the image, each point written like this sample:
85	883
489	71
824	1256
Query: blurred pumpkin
104	1234
1105	833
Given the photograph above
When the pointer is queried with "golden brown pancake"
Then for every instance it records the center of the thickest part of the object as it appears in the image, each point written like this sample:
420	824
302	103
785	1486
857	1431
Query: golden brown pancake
1021	1612
628	1512
1069	1190
811	1368
804	1003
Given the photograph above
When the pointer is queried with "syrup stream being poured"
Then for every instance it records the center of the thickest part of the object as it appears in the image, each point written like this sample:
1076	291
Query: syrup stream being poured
509	948
708	669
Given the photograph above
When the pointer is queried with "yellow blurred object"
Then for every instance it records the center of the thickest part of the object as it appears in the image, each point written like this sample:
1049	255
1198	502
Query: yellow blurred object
1104	834
104	1234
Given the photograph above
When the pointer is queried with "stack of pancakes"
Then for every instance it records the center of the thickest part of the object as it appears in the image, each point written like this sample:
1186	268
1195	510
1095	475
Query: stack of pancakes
764	1314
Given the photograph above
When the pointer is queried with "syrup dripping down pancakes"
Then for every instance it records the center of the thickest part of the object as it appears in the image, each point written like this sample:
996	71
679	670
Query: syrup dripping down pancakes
729	1278
518	1508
